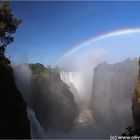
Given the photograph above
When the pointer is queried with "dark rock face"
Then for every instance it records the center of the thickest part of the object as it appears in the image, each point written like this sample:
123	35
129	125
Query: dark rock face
136	112
14	123
53	103
136	104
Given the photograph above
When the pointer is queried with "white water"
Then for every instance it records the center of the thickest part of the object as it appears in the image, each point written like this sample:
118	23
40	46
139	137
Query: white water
71	79
85	120
80	84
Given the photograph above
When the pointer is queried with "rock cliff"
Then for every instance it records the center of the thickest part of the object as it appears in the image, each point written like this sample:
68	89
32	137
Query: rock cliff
53	103
14	123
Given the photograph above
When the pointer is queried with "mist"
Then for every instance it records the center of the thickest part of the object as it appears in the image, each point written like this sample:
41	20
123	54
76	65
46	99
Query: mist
51	106
82	66
94	98
104	89
111	102
23	74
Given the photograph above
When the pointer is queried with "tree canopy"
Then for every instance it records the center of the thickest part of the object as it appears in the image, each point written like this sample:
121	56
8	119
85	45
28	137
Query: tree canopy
38	68
8	26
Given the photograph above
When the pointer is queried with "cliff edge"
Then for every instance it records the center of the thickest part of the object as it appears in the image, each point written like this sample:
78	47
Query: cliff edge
14	123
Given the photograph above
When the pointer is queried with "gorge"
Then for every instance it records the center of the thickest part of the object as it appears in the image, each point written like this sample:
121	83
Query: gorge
55	98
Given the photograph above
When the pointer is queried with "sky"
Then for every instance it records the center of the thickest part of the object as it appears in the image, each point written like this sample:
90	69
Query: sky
52	28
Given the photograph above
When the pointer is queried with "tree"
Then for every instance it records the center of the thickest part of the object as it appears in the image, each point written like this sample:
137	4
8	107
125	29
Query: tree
8	26
37	68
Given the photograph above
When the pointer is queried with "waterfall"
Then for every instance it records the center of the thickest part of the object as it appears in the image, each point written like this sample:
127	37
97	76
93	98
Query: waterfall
71	79
77	81
67	77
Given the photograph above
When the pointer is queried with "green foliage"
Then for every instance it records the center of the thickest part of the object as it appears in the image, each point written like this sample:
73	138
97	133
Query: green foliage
38	68
8	26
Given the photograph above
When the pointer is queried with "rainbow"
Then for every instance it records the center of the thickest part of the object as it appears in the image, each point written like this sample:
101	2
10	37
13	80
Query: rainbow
100	37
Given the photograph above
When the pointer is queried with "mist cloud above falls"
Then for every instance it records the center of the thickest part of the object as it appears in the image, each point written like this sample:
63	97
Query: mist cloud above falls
111	102
23	74
83	64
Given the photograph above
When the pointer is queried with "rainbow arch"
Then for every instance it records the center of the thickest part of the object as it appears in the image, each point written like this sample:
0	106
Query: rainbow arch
100	37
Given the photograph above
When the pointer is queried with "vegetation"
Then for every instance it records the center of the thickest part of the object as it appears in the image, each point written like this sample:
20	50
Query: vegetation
14	123
38	68
8	26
